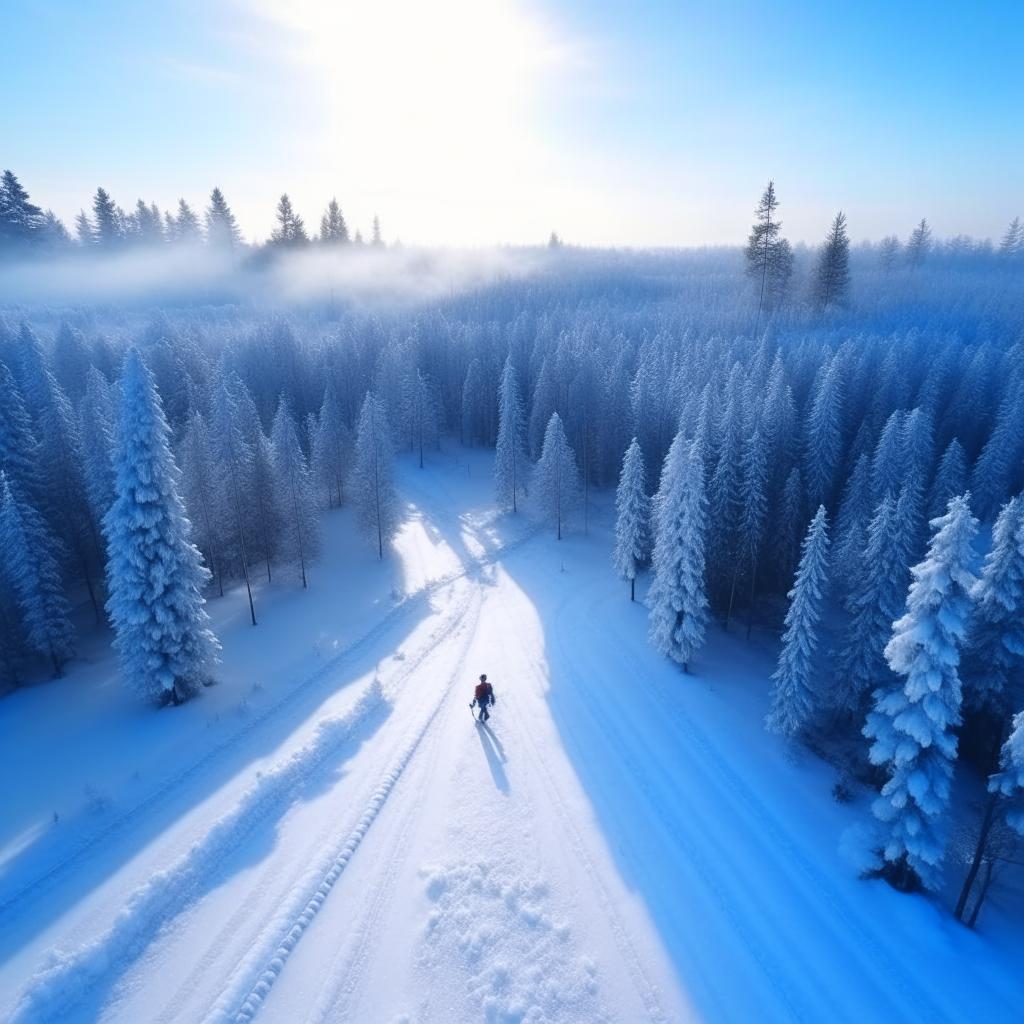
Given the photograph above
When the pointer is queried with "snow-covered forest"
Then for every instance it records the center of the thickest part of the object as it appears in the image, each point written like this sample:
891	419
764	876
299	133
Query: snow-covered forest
811	456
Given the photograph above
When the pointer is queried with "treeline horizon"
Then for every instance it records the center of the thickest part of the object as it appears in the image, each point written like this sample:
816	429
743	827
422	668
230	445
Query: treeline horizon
26	229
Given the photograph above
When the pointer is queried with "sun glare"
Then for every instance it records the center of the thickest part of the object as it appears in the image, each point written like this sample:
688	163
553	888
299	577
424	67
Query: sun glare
433	104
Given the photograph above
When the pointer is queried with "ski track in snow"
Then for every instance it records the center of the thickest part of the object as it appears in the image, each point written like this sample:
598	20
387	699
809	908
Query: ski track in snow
271	714
257	994
69	976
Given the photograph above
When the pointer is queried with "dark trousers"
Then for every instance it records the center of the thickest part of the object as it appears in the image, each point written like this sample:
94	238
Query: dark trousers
484	713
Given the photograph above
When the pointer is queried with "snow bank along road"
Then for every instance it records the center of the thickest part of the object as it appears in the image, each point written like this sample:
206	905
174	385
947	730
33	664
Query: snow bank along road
619	845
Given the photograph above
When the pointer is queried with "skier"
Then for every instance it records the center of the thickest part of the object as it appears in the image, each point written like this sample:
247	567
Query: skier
483	697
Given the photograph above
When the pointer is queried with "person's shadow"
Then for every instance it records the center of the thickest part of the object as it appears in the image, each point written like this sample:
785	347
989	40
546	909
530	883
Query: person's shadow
495	753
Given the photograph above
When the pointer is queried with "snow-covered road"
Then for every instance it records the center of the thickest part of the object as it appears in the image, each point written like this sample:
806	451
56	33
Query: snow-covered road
621	844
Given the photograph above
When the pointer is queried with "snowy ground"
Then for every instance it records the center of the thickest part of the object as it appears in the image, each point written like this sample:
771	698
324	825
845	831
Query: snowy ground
327	835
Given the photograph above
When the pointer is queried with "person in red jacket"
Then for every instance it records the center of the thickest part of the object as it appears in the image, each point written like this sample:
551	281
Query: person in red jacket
483	697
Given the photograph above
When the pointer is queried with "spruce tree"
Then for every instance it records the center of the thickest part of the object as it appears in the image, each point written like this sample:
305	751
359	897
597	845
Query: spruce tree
290	230
510	451
371	485
950	479
919	244
21	222
794	696
1008	782
294	491
556	484
995	646
633	518
333	230
234	458
677	598
832	275
96	427
32	570
754	517
877	595
202	491
187	230
331	447
769	257
913	721
108	229
221	228
823	439
155	574
1012	245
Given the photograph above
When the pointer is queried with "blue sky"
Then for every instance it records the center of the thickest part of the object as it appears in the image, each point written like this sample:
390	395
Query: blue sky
480	121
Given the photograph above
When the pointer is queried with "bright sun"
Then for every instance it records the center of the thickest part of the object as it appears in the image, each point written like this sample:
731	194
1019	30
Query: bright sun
430	103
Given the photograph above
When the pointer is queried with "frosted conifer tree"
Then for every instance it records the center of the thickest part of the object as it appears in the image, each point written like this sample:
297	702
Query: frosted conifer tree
371	485
294	491
96	419
18	447
632	521
200	487
794	700
32	570
556	483
545	400
913	719
832	277
234	459
755	512
877	595
678	596
950	479
332	447
996	643
510	453
1008	782
155	574
824	434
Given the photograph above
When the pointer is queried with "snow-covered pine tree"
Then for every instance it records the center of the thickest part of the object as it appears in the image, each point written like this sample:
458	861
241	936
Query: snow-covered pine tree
333	230
633	518
234	470
995	646
994	471
789	527
155	574
510	452
371	486
556	483
876	597
823	439
677	598
221	228
950	479
794	696
919	244
18	446
545	402
203	493
755	513
32	569
332	447
1008	782
851	525
832	276
96	419
913	721
294	491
